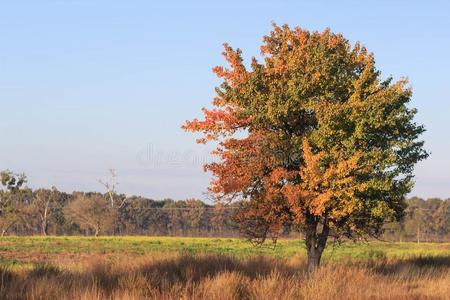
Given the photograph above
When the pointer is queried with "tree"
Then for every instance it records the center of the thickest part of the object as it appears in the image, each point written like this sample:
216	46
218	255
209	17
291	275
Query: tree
441	218
91	212
12	181
11	203
219	217
44	206
110	186
117	201
311	137
222	216
174	211
193	215
143	216
416	217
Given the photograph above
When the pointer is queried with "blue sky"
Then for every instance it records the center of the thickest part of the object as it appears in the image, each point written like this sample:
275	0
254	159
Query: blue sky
91	85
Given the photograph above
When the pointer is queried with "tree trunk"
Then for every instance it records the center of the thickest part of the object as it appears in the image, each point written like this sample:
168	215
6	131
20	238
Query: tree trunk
44	228
418	234
315	242
97	231
314	256
44	225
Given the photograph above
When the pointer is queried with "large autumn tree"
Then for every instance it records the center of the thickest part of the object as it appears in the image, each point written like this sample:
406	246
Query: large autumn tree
311	137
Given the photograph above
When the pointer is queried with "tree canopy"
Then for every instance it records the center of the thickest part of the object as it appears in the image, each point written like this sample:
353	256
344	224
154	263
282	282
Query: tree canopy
311	137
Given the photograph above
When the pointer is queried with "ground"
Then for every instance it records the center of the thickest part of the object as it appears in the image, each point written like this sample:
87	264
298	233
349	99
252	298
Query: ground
26	250
217	268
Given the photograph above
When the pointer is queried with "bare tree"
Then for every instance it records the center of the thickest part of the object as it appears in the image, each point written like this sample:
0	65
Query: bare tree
110	186
91	212
42	208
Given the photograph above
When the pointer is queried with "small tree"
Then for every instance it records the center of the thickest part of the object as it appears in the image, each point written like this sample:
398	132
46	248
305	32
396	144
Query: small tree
116	201
91	212
194	215
311	137
10	199
110	186
44	205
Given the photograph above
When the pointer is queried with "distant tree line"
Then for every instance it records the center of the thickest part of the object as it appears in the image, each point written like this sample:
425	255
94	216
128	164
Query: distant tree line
24	211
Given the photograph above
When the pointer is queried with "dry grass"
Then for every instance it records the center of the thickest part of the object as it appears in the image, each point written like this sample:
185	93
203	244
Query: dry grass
213	276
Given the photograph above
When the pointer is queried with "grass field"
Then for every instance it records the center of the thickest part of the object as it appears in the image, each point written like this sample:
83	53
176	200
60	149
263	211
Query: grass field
28	250
217	268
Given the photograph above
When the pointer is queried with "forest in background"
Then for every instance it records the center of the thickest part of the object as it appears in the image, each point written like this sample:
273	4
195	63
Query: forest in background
24	211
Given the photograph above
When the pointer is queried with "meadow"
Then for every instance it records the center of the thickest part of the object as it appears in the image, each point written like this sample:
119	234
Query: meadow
217	268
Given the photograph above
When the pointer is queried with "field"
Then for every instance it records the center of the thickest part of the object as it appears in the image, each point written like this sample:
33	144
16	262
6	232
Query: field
217	268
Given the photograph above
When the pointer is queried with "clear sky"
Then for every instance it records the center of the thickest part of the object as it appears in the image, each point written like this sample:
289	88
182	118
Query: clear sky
87	85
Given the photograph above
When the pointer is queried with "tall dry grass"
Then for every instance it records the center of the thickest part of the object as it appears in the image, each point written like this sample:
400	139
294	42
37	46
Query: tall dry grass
208	276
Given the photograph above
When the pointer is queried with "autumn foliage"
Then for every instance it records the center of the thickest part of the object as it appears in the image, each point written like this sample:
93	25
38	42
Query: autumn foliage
311	137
